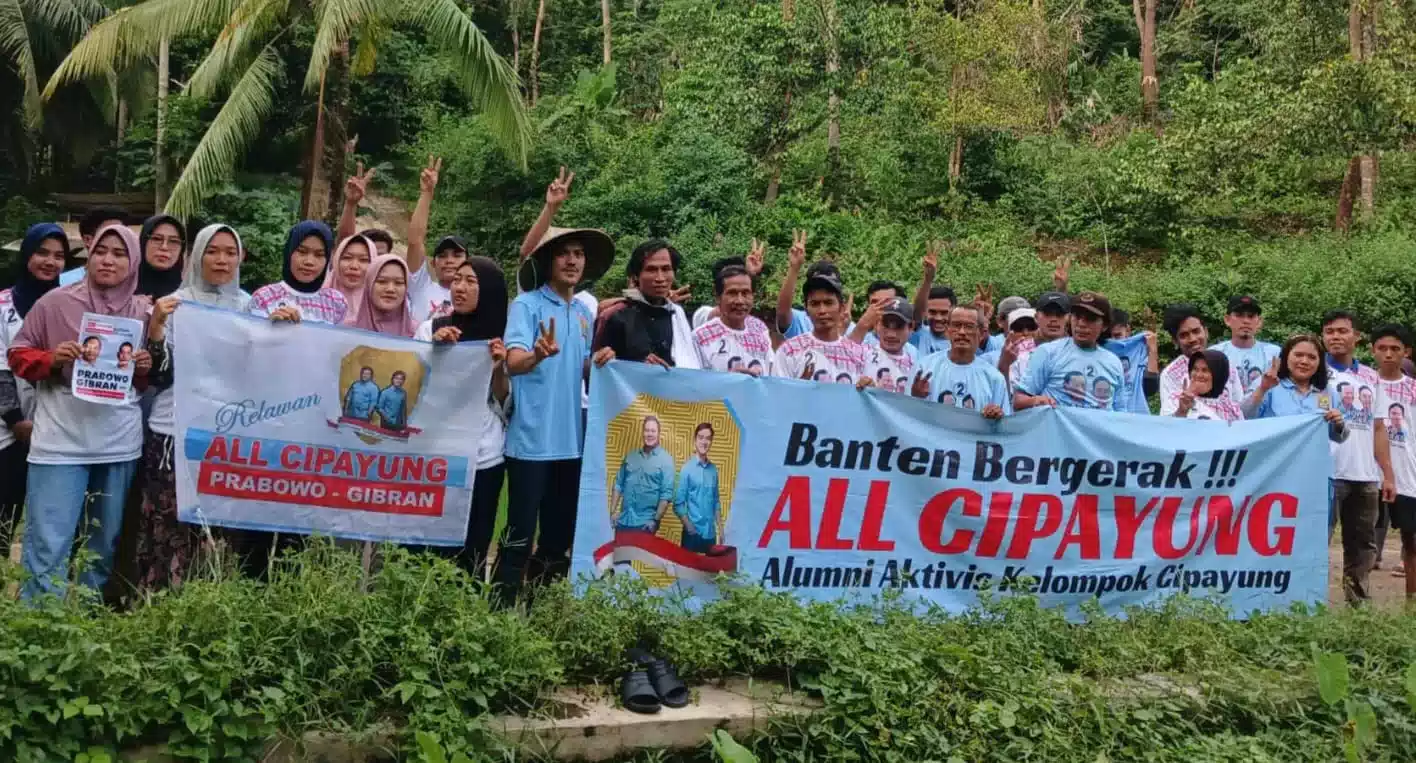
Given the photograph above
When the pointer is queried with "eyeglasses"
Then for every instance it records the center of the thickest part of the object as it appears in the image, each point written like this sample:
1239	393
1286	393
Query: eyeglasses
166	242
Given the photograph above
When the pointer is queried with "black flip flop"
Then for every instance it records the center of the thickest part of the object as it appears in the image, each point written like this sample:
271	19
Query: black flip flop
671	689
638	694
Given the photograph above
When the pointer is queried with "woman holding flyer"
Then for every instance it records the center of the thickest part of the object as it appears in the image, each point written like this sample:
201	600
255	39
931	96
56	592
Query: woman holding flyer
347	269
479	306
166	547
83	449
301	294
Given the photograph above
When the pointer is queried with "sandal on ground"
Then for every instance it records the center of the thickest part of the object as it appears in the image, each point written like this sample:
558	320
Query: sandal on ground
637	693
671	689
1399	571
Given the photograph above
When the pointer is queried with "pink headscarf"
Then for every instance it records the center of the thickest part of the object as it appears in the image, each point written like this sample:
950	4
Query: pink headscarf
368	317
353	296
56	316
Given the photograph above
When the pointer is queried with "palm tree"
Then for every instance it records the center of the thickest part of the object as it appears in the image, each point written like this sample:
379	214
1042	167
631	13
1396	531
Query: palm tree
29	27
245	64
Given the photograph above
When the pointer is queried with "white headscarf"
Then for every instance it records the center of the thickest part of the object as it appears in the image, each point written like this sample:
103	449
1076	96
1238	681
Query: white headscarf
227	296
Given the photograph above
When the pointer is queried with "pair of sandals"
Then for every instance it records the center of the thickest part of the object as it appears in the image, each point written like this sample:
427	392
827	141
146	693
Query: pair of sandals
651	684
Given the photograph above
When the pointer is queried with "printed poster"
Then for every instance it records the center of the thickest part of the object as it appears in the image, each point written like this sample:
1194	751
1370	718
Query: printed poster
103	372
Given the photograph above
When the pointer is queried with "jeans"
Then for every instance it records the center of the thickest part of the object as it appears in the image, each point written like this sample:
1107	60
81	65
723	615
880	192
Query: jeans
542	498
62	501
1356	505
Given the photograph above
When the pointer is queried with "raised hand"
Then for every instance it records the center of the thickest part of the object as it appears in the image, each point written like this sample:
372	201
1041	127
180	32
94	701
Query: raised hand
850	307
1187	400
559	189
545	345
496	347
796	256
1062	273
755	258
983	301
428	180
358	184
920	386
930	264
1270	379
871	317
447	334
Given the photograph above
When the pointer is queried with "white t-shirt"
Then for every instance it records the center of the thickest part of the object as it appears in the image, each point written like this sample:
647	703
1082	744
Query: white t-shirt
425	294
840	361
1401	404
1358	394
892	372
491	448
10	323
721	348
68	430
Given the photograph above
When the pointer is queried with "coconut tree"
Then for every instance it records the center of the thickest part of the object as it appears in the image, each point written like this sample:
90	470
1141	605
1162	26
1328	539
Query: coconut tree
245	66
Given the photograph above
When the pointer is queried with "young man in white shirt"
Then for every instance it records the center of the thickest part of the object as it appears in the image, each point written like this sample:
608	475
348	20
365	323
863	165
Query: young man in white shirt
1362	469
1186	326
1389	345
824	354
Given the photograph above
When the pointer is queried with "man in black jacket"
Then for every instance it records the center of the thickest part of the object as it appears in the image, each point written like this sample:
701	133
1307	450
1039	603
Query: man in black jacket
643	329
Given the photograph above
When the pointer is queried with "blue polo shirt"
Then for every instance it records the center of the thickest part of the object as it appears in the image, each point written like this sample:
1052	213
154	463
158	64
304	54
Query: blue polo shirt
927	343
1286	400
696	501
644	480
546	425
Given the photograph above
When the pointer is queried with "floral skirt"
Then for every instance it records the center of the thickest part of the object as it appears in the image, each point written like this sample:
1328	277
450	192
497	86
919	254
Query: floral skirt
166	548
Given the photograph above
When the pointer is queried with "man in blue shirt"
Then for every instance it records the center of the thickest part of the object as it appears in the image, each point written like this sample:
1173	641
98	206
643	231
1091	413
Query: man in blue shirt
696	501
1248	357
644	485
361	397
548	357
960	377
393	403
1076	371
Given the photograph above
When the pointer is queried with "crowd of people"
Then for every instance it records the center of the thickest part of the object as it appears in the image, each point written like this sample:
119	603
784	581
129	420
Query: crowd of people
70	463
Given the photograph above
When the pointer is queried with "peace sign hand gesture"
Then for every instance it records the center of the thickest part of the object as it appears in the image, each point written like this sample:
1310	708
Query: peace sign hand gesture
428	180
983	301
545	345
358	183
755	257
920	387
1062	273
559	189
796	256
931	259
1270	379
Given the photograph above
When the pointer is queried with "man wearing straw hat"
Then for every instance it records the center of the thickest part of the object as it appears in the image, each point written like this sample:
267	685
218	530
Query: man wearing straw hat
548	337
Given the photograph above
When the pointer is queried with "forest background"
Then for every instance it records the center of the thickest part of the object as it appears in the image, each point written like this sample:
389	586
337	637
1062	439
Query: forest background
1176	150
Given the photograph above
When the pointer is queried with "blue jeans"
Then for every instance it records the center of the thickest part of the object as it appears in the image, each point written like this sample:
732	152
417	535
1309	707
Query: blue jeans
57	498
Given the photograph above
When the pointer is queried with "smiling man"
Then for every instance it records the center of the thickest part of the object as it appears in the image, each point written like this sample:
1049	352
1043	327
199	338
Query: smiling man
1186	326
733	333
643	330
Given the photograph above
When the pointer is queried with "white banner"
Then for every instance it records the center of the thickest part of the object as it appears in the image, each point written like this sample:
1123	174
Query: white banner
310	428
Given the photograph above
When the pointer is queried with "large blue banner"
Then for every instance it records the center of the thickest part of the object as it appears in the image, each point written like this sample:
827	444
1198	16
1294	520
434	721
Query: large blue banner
833	493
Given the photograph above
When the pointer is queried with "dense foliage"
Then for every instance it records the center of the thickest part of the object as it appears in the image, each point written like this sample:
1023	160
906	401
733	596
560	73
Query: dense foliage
215	670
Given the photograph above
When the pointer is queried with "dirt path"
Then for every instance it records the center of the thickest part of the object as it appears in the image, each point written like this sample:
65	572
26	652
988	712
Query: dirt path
1388	590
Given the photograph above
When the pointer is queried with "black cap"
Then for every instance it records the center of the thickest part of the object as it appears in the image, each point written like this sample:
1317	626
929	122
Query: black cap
823	268
900	308
1244	304
1094	303
1054	300
454	243
820	281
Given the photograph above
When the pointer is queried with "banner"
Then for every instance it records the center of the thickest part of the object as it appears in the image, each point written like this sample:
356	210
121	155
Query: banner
311	428
833	493
103	372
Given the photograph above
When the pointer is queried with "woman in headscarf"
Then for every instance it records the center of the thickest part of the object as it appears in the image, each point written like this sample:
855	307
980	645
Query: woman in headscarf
41	261
1203	398
347	269
164	243
165	547
300	294
81	452
383	308
479	307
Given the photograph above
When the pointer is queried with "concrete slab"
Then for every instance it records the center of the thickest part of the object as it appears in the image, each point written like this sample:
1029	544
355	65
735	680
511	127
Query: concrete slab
590	727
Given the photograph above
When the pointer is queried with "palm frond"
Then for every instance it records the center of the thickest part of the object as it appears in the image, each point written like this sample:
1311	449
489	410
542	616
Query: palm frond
134	33
487	79
335	21
371	36
229	134
235	45
15	45
71	18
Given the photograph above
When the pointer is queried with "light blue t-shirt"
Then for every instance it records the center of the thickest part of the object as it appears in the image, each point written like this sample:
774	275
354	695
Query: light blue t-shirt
644	480
971	386
546	423
1075	377
801	324
696	501
360	400
70	277
995	343
1249	364
927	343
1135	356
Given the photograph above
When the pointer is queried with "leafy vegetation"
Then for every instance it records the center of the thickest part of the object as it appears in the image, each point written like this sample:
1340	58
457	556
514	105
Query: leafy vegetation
221	666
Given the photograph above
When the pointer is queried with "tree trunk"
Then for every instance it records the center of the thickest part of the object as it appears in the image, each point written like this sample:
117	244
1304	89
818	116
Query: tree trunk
1345	196
536	53
314	163
1360	184
605	21
159	151
956	161
1150	83
337	123
516	48
833	102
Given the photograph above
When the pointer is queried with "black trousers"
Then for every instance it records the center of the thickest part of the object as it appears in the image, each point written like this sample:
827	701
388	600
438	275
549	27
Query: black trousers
542	497
14	469
481	522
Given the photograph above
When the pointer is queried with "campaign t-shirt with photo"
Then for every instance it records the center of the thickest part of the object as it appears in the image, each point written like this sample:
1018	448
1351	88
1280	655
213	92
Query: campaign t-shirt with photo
1075	377
891	371
1249	364
841	361
426	297
971	386
1357	392
1401	402
721	348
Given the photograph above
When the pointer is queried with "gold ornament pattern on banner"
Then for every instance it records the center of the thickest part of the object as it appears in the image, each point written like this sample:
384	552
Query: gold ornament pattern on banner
677	421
